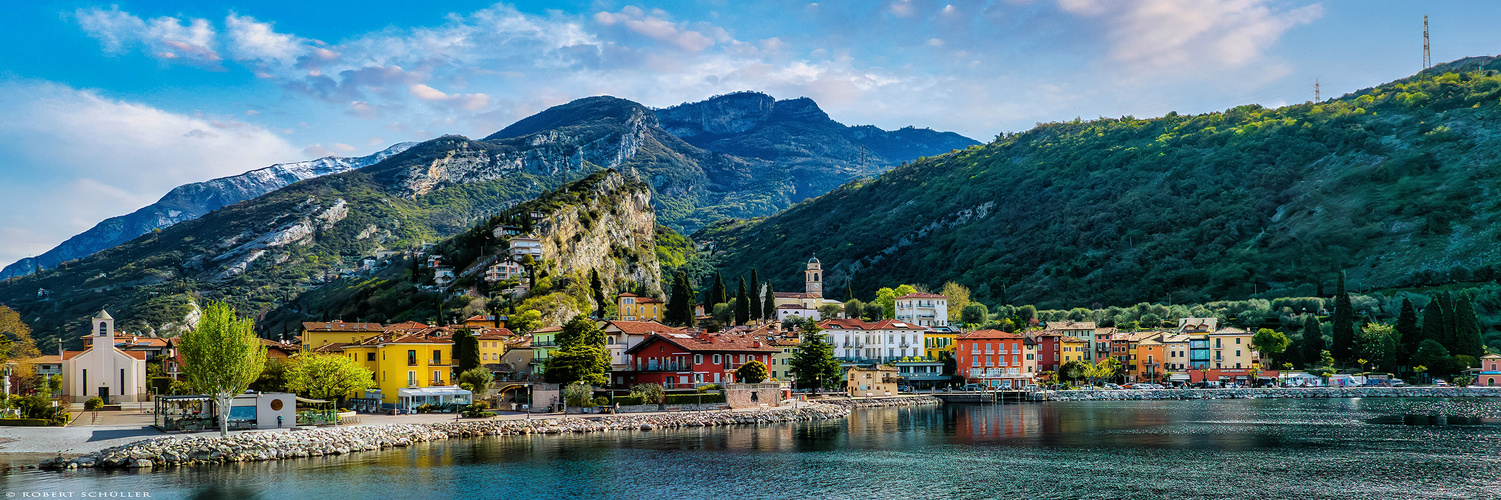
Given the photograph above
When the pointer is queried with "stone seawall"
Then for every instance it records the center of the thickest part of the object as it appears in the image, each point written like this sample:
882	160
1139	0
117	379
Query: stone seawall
883	402
261	446
1278	392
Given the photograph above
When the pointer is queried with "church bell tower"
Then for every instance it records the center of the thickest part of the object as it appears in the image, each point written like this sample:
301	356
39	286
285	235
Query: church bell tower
813	278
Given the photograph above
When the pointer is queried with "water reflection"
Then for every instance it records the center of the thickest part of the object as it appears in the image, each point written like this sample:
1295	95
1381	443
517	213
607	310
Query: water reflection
1177	449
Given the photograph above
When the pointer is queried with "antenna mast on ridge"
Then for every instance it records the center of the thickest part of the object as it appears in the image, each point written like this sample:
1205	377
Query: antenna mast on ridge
1315	89
1427	62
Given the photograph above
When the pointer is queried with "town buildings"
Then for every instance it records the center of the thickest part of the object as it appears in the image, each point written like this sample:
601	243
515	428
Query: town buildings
865	342
879	380
693	359
104	370
632	307
922	309
992	358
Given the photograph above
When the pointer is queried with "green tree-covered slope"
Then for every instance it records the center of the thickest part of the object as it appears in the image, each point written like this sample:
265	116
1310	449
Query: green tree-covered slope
1393	184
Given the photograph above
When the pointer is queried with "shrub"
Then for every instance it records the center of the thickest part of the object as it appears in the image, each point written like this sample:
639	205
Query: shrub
689	399
632	400
710	387
601	401
93	404
425	408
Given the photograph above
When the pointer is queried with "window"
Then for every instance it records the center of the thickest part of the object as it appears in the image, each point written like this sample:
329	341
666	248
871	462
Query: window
437	357
717	359
1237	340
412	360
412	378
369	356
1237	353
698	359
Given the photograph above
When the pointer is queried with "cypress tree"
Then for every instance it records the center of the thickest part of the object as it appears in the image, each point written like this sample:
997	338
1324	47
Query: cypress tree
1344	325
1446	302
742	304
1408	332
769	308
599	293
1467	329
755	291
1433	322
689	316
717	294
1313	341
675	302
849	293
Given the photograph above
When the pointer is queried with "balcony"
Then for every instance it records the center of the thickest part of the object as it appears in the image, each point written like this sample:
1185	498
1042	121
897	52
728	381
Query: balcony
435	382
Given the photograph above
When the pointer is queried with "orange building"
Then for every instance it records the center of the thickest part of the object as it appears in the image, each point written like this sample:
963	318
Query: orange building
992	358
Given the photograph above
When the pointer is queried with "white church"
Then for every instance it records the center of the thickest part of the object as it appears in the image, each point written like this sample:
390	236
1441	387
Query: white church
104	370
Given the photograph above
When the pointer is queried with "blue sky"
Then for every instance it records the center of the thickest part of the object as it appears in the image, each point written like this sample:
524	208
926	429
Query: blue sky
110	105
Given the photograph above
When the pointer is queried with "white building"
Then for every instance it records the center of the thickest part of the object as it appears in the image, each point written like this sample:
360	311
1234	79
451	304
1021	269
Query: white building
503	271
521	247
923	309
102	369
882	341
443	276
785	311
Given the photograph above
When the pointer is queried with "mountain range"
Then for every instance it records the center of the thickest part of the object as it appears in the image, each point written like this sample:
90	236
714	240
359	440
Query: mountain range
1392	185
262	252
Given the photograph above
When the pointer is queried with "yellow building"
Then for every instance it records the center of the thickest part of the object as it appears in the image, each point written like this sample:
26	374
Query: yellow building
1072	349
403	361
871	382
1231	348
484	321
633	307
781	361
492	344
938	340
321	333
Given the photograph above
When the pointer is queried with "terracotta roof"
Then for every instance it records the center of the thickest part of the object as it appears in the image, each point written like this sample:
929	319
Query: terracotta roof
482	317
1072	340
990	334
340	326
1071	325
708	342
332	347
792	295
406	326
493	334
793	306
1230	330
50	359
640	327
920	295
895	324
547	329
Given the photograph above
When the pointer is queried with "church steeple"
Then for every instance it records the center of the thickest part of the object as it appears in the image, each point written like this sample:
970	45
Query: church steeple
813	278
103	326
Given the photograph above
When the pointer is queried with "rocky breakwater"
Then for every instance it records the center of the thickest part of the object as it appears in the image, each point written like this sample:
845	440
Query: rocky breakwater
883	402
1277	392
262	446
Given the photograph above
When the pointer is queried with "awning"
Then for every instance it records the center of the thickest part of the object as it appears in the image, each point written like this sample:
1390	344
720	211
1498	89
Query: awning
1178	376
301	399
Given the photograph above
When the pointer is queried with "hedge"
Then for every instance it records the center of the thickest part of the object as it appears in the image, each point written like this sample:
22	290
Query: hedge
688	399
629	400
26	422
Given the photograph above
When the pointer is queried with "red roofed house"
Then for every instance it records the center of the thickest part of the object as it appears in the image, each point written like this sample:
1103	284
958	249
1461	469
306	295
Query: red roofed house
632	307
623	335
104	370
992	358
866	342
681	360
923	309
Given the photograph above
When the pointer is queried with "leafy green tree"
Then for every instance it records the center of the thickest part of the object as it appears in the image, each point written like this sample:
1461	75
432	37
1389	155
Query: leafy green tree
752	372
886	298
853	308
828	311
1378	344
649	393
874	311
581	356
742	304
755	292
273	377
1270	342
524	321
1435	357
479	380
17	347
465	349
1025	314
1467	328
724	314
958	299
1074	370
1408	332
974	314
1103	369
769	306
221	356
327	375
813	364
1344	324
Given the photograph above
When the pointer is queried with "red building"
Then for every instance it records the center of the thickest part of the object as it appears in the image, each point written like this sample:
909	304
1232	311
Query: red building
678	360
1048	358
992	358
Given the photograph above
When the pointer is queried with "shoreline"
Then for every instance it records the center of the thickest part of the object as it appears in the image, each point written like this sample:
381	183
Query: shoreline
262	446
1274	393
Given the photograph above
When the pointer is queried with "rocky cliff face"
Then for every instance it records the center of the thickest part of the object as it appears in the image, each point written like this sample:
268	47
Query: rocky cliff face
191	201
612	231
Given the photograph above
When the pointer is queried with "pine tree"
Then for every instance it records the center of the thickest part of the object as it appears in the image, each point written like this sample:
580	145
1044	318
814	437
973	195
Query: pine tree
755	290
1467	329
1433	322
769	308
1313	341
742	304
1408	332
717	294
1344	325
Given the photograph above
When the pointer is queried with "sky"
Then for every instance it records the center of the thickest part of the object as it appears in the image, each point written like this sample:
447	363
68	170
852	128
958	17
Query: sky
104	107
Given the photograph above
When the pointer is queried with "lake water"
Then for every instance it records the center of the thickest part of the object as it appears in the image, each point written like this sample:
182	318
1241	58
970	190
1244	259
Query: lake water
1262	449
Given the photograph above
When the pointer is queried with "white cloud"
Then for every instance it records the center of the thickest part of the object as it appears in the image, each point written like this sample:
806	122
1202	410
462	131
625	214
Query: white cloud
73	158
251	40
1158	34
166	38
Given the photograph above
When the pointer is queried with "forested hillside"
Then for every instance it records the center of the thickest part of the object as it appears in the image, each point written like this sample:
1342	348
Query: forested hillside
1391	184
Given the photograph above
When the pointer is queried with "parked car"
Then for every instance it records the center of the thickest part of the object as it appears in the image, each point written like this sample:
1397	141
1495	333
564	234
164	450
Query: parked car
1440	383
